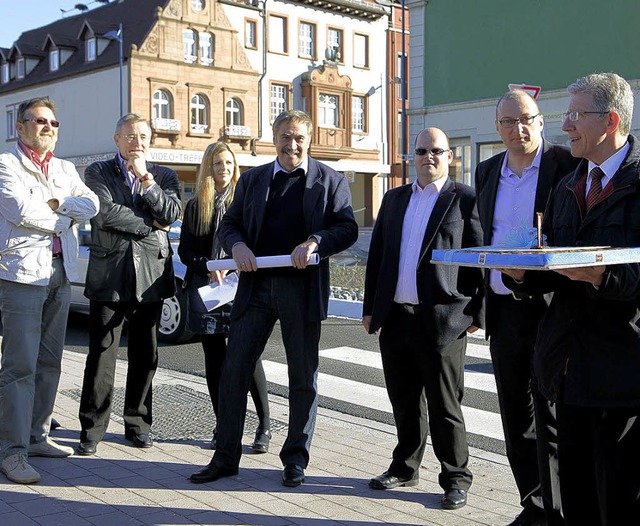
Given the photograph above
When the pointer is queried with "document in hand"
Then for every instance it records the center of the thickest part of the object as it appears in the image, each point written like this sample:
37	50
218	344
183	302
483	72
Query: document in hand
215	295
262	261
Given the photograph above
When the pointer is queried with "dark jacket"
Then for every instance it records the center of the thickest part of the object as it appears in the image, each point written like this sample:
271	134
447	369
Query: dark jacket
556	162
194	250
129	258
450	296
589	340
327	213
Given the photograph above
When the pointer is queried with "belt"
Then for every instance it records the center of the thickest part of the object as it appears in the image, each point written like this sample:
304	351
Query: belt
410	308
57	255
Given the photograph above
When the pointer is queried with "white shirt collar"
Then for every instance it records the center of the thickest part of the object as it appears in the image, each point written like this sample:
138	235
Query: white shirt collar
507	172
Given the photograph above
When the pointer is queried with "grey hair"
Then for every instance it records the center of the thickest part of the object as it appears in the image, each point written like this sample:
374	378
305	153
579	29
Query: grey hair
34	103
130	118
293	117
610	92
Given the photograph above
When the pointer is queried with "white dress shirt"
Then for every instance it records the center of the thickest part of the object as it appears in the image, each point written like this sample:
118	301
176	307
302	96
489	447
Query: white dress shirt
609	167
414	226
514	208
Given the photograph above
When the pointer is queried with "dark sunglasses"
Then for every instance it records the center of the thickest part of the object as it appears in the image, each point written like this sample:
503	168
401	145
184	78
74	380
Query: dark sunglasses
432	151
42	122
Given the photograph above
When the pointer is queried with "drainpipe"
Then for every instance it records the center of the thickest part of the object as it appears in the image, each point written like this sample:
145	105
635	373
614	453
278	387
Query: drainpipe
263	15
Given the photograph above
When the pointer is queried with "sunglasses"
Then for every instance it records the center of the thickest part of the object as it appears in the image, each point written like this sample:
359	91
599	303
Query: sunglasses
432	151
43	122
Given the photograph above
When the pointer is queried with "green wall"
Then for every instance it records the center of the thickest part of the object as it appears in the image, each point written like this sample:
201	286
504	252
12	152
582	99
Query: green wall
475	48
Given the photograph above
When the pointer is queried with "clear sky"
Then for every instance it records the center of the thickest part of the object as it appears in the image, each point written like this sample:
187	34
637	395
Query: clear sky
17	16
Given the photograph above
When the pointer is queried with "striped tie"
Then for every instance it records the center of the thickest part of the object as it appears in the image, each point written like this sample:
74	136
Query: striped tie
596	186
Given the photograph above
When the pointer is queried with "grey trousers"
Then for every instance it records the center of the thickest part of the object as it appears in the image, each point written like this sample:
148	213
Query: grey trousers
34	321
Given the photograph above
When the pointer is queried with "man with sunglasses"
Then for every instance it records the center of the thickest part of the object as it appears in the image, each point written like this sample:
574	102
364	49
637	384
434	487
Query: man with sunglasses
130	273
424	312
41	199
512	187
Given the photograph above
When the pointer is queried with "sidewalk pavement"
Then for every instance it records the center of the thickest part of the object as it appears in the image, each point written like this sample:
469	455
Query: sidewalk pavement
123	485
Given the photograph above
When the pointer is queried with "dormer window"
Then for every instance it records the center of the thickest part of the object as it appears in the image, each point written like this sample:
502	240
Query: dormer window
4	75
54	60
90	49
20	68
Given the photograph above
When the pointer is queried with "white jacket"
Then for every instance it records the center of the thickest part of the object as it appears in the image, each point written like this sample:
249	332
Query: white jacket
27	220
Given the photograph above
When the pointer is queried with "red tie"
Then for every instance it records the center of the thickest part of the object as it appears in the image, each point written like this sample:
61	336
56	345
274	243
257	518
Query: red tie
596	186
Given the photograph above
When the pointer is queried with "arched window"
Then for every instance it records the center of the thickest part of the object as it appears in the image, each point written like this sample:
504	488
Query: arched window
233	113
199	114
189	39
206	49
162	105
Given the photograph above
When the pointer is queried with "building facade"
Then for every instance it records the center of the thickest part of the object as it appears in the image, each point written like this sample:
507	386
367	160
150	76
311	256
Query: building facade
465	54
205	70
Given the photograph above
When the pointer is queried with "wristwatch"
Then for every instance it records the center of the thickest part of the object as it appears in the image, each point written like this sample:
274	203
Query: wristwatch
146	177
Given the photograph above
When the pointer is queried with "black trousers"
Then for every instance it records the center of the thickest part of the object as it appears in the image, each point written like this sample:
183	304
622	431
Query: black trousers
425	385
215	349
599	454
105	328
273	298
528	420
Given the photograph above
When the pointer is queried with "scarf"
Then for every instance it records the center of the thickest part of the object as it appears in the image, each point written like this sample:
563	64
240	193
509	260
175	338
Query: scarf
219	209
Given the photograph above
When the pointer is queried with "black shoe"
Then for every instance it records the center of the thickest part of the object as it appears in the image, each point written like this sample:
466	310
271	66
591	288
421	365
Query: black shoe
139	439
454	499
87	448
210	473
54	425
292	476
261	442
214	440
388	481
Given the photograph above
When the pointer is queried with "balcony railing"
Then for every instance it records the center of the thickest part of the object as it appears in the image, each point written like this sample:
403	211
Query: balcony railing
236	130
161	124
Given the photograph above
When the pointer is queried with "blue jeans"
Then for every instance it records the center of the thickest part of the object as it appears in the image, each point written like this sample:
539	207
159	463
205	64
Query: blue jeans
34	321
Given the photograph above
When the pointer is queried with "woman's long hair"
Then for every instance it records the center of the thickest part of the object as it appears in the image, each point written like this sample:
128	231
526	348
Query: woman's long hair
205	187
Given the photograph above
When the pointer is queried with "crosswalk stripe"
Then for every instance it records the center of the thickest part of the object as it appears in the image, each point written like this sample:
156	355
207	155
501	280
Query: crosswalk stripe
477	350
472	379
477	421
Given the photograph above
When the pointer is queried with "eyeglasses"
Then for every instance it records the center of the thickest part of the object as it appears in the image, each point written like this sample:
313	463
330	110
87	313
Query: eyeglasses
132	137
43	122
573	116
525	120
433	151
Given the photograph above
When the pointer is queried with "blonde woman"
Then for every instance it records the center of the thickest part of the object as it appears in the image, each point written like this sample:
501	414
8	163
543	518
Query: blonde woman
215	186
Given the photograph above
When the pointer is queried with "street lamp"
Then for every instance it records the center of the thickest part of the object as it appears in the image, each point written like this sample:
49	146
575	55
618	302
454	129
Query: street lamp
119	36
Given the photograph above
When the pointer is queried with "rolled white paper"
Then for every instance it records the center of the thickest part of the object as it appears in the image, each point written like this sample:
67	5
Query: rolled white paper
262	262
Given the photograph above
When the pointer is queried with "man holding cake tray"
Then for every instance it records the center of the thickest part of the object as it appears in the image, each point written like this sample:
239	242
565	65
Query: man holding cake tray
587	352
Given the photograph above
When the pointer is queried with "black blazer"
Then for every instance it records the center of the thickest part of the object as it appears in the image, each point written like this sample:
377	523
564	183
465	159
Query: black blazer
556	162
327	213
129	258
450	296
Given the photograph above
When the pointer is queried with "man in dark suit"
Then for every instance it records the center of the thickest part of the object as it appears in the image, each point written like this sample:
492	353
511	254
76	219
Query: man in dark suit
424	311
512	187
130	273
587	353
294	205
